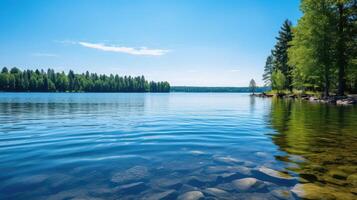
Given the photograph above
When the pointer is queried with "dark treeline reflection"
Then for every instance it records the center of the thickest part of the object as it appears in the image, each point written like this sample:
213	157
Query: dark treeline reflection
320	141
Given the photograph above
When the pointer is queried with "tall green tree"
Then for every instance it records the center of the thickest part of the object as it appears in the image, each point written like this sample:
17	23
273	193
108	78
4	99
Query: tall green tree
313	42
346	15
280	53
268	71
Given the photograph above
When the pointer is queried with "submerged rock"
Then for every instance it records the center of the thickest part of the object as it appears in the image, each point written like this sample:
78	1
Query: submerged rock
282	194
244	171
268	174
312	191
216	192
227	160
131	188
168	183
167	195
192	195
248	184
133	174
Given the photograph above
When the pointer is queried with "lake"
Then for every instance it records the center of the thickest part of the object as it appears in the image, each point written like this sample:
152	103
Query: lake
174	145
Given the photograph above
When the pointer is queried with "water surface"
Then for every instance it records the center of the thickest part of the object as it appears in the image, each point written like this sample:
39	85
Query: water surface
94	145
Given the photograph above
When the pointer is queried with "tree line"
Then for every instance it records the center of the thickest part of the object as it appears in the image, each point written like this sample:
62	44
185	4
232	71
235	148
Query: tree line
15	80
319	53
217	89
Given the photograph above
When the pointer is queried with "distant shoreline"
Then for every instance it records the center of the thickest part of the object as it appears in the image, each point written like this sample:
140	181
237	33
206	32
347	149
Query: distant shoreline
173	89
203	89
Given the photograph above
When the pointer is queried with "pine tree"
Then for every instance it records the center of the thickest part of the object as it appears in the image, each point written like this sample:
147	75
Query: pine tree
280	53
268	70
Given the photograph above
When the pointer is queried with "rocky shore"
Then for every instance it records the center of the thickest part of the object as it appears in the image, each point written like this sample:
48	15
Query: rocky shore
337	100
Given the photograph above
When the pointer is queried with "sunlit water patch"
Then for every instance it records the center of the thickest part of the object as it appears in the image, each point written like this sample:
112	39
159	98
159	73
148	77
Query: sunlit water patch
174	146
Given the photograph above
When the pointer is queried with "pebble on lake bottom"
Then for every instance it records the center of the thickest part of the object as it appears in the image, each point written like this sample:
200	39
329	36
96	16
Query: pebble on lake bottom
192	195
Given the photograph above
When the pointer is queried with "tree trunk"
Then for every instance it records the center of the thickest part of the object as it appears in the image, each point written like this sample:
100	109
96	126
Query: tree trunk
327	81
341	50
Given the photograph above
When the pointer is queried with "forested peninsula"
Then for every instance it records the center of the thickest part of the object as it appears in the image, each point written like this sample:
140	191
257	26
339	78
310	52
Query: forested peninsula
15	80
319	54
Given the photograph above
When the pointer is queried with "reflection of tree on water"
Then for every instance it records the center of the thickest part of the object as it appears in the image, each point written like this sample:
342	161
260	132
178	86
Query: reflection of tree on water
252	103
325	136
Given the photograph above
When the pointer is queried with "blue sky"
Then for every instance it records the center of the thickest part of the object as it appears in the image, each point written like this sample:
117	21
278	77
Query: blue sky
186	42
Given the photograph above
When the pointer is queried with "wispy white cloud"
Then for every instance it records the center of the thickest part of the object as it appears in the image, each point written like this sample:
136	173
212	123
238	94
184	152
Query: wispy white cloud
143	51
44	55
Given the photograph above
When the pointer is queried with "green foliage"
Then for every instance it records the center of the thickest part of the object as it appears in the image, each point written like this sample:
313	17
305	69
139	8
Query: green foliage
278	80
280	53
50	81
312	46
268	70
321	54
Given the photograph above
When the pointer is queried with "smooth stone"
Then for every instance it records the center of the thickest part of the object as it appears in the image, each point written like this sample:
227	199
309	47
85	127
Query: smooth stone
169	183
167	195
282	194
312	191
216	192
338	174
248	184
133	174
192	195
227	160
268	174
228	169
132	188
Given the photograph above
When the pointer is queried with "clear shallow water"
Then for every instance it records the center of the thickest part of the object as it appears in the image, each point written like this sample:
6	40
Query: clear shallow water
136	146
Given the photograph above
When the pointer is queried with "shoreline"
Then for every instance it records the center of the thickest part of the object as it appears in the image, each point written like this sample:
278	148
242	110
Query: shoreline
336	100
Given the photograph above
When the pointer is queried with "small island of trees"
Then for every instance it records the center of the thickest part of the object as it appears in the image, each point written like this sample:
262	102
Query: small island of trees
15	80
